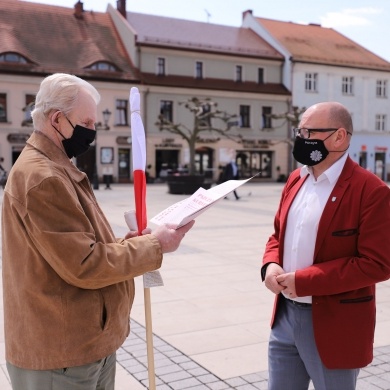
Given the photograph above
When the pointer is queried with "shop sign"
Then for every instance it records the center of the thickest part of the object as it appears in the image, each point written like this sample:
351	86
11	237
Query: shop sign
256	143
168	143
18	138
207	140
122	140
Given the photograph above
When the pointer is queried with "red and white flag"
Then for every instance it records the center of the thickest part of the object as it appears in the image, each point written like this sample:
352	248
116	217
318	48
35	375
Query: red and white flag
139	159
151	279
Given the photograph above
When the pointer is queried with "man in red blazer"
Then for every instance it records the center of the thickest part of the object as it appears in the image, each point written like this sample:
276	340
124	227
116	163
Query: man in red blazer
330	247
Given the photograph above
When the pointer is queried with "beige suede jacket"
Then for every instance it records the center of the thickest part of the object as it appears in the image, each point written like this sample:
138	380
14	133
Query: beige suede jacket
68	282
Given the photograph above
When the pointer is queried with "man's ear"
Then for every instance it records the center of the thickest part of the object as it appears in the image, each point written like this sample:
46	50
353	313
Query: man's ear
55	117
342	135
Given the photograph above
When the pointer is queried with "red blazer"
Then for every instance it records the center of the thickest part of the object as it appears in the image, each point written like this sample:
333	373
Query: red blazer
352	253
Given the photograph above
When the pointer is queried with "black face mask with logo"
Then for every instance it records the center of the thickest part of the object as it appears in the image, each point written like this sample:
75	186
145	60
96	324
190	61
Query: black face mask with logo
79	142
309	151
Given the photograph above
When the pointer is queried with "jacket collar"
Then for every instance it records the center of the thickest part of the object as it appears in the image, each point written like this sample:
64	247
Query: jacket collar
46	146
334	202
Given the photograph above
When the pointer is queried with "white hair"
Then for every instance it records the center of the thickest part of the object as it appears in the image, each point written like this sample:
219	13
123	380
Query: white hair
59	92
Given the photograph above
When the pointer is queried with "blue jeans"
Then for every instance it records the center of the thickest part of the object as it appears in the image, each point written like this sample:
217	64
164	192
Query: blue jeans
99	375
293	358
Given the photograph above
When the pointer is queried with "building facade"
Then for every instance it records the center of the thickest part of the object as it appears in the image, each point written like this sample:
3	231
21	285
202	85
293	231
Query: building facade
258	72
65	40
233	67
323	65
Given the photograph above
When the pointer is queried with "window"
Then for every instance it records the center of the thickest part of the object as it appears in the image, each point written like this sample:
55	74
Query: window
266	117
381	88
260	76
205	119
347	85
244	116
102	65
166	110
238	73
311	82
199	70
12	57
30	100
160	66
3	107
380	122
121	112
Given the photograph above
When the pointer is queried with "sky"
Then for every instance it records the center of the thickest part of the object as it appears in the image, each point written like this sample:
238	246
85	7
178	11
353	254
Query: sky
367	22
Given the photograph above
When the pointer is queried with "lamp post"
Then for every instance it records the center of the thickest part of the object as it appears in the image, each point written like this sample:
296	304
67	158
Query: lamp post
99	126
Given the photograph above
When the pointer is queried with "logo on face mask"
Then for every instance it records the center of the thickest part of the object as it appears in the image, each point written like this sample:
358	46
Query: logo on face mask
316	155
309	152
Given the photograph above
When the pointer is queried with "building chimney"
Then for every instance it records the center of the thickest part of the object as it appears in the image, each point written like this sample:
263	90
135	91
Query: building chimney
78	10
121	7
249	11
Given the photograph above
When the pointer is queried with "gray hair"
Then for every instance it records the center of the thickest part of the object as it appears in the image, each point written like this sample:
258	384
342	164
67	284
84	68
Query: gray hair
59	92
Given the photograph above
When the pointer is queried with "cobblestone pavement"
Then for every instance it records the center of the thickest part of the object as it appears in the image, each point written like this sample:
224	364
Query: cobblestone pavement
174	370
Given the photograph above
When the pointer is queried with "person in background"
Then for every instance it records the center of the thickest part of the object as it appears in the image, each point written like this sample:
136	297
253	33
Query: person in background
329	249
230	172
68	281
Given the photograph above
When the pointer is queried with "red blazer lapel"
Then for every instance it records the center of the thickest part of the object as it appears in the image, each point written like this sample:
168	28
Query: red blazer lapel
333	203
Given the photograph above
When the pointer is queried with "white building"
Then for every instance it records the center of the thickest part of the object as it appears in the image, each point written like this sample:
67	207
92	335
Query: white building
323	65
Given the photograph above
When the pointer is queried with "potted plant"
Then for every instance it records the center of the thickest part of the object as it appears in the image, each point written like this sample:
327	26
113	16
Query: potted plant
206	118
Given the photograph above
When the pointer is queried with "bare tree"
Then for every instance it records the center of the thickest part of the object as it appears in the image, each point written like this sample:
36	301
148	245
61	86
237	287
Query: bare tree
293	118
206	119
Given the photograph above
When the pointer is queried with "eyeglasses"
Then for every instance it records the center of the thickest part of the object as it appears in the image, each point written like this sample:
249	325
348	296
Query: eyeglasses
305	133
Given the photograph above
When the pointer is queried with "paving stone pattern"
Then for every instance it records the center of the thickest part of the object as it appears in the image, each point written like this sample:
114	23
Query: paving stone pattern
176	371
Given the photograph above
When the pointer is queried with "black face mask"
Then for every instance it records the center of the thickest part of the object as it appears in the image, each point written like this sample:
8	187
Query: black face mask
310	151
79	142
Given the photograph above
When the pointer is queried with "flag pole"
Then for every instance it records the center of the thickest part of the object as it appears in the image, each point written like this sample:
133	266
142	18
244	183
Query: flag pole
149	338
151	279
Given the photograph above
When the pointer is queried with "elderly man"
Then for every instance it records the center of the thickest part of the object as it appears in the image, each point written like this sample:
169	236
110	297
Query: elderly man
329	249
68	282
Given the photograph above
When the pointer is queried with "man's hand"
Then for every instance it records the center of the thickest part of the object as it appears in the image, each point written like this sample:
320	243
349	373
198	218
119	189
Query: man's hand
133	233
271	275
288	283
170	237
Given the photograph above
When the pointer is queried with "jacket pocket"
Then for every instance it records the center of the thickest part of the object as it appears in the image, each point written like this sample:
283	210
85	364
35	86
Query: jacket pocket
103	313
345	233
368	298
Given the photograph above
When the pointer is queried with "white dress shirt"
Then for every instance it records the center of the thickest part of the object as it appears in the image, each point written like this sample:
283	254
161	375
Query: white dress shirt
304	217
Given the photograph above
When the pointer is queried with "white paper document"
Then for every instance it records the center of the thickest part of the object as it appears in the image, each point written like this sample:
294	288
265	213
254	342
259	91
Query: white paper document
182	212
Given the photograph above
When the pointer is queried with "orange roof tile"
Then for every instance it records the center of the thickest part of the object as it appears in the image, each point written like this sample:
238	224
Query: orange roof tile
54	40
315	44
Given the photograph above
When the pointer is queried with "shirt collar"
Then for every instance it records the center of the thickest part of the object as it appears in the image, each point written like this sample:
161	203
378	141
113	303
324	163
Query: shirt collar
332	173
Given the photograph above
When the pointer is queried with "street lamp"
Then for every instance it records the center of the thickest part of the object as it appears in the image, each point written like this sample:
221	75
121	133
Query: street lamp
98	126
106	117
